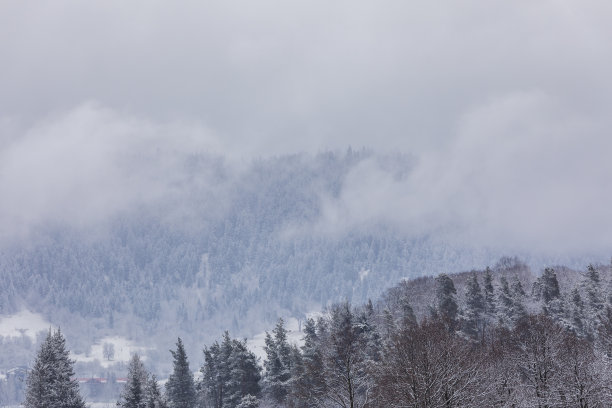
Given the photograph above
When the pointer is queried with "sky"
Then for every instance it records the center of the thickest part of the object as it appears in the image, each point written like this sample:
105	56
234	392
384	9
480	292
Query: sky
504	105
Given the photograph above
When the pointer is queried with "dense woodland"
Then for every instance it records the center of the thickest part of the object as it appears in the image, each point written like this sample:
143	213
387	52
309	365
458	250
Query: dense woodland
231	249
492	338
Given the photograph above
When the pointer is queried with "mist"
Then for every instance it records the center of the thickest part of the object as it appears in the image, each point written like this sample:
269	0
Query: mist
501	108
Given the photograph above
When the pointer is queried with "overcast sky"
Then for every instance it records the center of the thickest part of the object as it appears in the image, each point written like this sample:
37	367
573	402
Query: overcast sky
506	105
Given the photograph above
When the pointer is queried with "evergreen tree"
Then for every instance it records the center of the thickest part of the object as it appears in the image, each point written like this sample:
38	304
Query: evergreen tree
277	364
592	287
505	310
230	372
474	307
346	371
489	293
551	295
549	286
369	333
244	373
135	390
407	317
51	382
180	390
518	300
154	398
576	314
446	300
309	387
248	401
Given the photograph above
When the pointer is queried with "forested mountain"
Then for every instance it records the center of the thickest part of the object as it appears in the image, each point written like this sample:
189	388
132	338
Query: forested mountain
498	337
230	246
233	247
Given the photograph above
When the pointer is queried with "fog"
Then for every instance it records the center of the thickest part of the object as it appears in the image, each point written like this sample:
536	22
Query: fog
503	108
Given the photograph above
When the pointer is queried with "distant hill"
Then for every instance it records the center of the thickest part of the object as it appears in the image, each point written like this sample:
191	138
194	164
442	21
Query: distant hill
249	245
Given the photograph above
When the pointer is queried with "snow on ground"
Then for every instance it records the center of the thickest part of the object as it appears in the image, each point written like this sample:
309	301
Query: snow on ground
24	323
123	347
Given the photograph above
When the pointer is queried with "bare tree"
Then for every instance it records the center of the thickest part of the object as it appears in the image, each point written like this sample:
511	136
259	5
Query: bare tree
108	351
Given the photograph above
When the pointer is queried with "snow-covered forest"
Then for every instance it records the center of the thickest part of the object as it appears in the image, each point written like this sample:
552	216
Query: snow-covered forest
309	204
497	337
258	250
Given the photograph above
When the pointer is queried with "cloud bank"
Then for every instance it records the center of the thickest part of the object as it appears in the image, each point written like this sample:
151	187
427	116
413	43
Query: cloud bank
505	107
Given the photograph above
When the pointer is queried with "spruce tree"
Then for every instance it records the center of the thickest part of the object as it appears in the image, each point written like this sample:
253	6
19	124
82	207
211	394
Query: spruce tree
277	364
489	293
230	372
310	385
134	391
446	300
592	286
180	389
154	398
474	308
505	310
51	382
576	314
549	286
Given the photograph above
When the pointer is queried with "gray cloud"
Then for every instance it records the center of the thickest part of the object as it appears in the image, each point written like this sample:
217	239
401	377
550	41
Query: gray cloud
275	76
505	106
523	173
90	163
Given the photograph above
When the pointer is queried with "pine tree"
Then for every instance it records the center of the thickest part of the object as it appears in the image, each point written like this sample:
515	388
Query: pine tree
592	286
446	300
549	285
372	343
248	401
576	314
310	385
51	382
134	391
518	300
277	364
154	398
489	293
230	372
180	389
504	301
345	364
551	295
474	308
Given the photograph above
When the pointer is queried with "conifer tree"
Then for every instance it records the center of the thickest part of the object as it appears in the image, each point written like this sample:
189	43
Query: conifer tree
505	310
154	397
576	314
372	343
549	286
446	300
592	286
135	390
345	364
277	364
551	295
51	382
489	293
180	389
518	300
475	307
309	387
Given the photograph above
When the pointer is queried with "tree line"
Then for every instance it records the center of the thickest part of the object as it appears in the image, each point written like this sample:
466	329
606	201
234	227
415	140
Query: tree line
496	344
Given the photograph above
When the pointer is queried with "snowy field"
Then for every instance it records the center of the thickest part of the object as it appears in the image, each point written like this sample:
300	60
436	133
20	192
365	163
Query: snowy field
24	323
124	349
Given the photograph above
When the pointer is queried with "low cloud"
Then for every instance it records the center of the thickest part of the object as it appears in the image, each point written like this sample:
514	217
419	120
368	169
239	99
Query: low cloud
522	174
90	163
